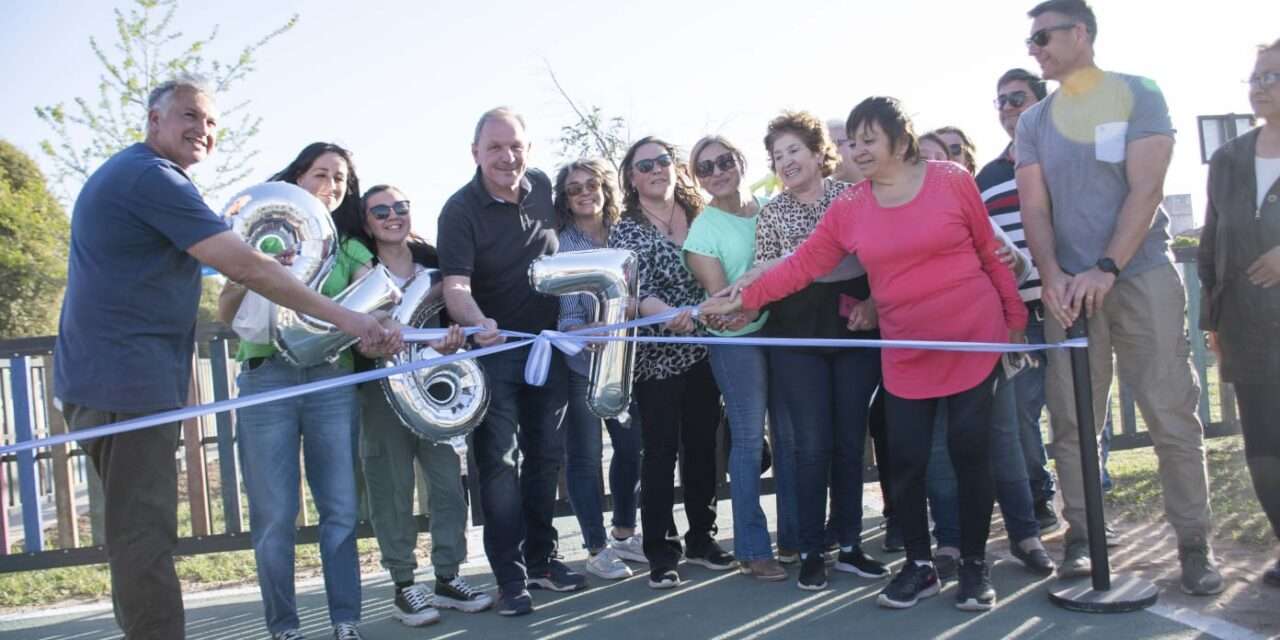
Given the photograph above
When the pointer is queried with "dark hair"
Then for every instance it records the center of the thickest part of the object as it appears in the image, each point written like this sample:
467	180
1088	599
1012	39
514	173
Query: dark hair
707	141
1019	74
687	195
608	185
1077	10
811	131
349	216
420	249
968	151
893	120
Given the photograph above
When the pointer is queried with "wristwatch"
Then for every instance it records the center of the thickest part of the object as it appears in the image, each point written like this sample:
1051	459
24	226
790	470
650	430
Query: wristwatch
1107	265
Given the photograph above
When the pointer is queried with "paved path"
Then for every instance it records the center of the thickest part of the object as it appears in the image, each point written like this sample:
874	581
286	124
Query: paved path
714	605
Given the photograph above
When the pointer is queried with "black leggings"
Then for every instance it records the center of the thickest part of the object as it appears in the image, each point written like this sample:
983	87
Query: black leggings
968	441
1260	422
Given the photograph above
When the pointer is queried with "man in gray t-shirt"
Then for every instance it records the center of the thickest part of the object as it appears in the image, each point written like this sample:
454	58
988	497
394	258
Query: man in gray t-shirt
1091	160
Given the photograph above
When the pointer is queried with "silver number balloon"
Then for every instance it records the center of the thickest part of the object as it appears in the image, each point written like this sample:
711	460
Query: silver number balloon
277	216
441	402
608	275
305	341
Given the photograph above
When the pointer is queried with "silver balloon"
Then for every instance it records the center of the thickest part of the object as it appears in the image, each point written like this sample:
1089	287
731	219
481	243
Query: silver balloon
277	216
439	402
305	341
608	275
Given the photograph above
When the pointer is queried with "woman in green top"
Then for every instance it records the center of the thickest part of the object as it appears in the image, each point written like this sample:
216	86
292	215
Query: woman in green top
720	248
320	425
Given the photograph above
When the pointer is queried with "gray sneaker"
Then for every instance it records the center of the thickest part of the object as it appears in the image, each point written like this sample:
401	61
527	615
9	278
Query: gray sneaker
288	634
1199	576
1075	561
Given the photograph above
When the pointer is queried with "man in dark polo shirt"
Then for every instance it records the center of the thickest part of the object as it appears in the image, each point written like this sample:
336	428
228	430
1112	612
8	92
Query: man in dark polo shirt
489	233
125	338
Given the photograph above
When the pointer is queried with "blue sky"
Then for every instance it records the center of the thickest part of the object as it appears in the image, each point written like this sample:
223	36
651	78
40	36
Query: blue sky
401	83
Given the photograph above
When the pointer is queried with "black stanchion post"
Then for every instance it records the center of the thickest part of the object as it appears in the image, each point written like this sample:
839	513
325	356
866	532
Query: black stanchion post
1100	594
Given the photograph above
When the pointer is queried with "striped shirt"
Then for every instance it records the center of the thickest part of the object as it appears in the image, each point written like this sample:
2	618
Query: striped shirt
580	308
1000	194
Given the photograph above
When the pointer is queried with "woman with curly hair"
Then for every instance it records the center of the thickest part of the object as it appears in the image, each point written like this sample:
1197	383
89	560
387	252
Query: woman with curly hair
587	201
676	393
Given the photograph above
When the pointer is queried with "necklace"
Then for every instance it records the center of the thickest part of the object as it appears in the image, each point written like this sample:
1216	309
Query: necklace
671	215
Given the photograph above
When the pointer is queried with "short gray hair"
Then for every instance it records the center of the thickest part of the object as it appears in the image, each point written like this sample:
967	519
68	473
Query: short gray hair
162	94
495	113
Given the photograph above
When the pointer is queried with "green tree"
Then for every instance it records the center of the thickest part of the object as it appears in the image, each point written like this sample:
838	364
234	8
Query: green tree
34	233
593	135
89	131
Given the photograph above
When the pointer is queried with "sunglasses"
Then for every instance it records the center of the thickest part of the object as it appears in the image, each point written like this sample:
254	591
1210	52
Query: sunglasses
578	188
956	150
1264	80
1041	38
647	165
707	168
384	211
1014	99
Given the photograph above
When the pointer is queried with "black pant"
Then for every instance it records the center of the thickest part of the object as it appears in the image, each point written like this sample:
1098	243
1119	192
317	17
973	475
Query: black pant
519	448
877	426
1260	422
682	409
140	487
968	442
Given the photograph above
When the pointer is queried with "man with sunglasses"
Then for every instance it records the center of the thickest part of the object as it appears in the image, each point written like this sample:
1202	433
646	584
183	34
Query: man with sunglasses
1091	160
489	232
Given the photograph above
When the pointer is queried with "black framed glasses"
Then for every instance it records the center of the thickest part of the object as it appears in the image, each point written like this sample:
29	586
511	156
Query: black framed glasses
648	164
707	168
578	188
1040	38
1264	80
1014	99
384	211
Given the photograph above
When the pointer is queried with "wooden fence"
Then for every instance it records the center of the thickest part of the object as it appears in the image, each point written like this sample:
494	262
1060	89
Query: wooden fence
50	501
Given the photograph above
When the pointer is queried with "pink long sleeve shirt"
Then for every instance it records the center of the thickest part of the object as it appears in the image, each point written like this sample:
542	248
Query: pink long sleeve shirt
933	272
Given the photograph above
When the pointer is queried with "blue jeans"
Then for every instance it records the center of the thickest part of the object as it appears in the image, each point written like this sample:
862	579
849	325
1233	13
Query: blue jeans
782	435
269	438
519	448
827	395
941	485
1029	389
584	446
1013	492
742	372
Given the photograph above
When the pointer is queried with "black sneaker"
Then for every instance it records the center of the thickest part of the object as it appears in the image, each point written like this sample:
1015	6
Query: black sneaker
1046	516
945	564
413	607
859	563
514	601
1036	560
813	573
664	579
913	582
893	542
975	592
1272	576
711	556
556	576
454	593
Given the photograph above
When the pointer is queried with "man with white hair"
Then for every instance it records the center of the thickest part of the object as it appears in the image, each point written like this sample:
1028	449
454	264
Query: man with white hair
139	233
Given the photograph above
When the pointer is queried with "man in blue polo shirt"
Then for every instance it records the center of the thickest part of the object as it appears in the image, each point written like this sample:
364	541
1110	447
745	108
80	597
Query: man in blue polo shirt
139	232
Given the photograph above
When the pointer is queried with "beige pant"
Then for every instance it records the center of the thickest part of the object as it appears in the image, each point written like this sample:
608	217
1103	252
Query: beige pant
1143	321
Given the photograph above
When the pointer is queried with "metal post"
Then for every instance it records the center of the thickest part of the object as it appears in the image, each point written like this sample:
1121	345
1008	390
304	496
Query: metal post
1101	594
32	525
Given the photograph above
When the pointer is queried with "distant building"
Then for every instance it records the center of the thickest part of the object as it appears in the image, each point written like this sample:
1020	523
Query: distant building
1181	217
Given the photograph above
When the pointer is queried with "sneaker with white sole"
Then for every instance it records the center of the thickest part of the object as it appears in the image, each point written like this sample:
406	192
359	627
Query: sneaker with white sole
454	593
606	564
346	631
860	564
413	607
630	549
288	634
664	579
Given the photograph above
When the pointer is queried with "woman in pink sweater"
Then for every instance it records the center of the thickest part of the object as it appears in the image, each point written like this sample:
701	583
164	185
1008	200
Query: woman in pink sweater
921	231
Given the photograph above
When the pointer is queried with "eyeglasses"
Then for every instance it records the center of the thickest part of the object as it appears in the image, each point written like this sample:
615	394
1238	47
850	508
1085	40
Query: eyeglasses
1264	80
707	168
1041	38
384	211
578	188
1014	99
647	165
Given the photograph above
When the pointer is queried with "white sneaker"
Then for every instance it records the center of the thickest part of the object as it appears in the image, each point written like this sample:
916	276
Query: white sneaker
608	565
631	549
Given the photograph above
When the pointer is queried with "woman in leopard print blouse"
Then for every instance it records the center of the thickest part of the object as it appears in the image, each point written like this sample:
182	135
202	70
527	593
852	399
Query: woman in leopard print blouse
678	398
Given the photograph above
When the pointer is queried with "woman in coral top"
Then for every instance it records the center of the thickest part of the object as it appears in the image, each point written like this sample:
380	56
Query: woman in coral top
921	231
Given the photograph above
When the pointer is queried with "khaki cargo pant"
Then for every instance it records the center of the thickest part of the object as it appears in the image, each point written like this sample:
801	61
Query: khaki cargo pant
1143	322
